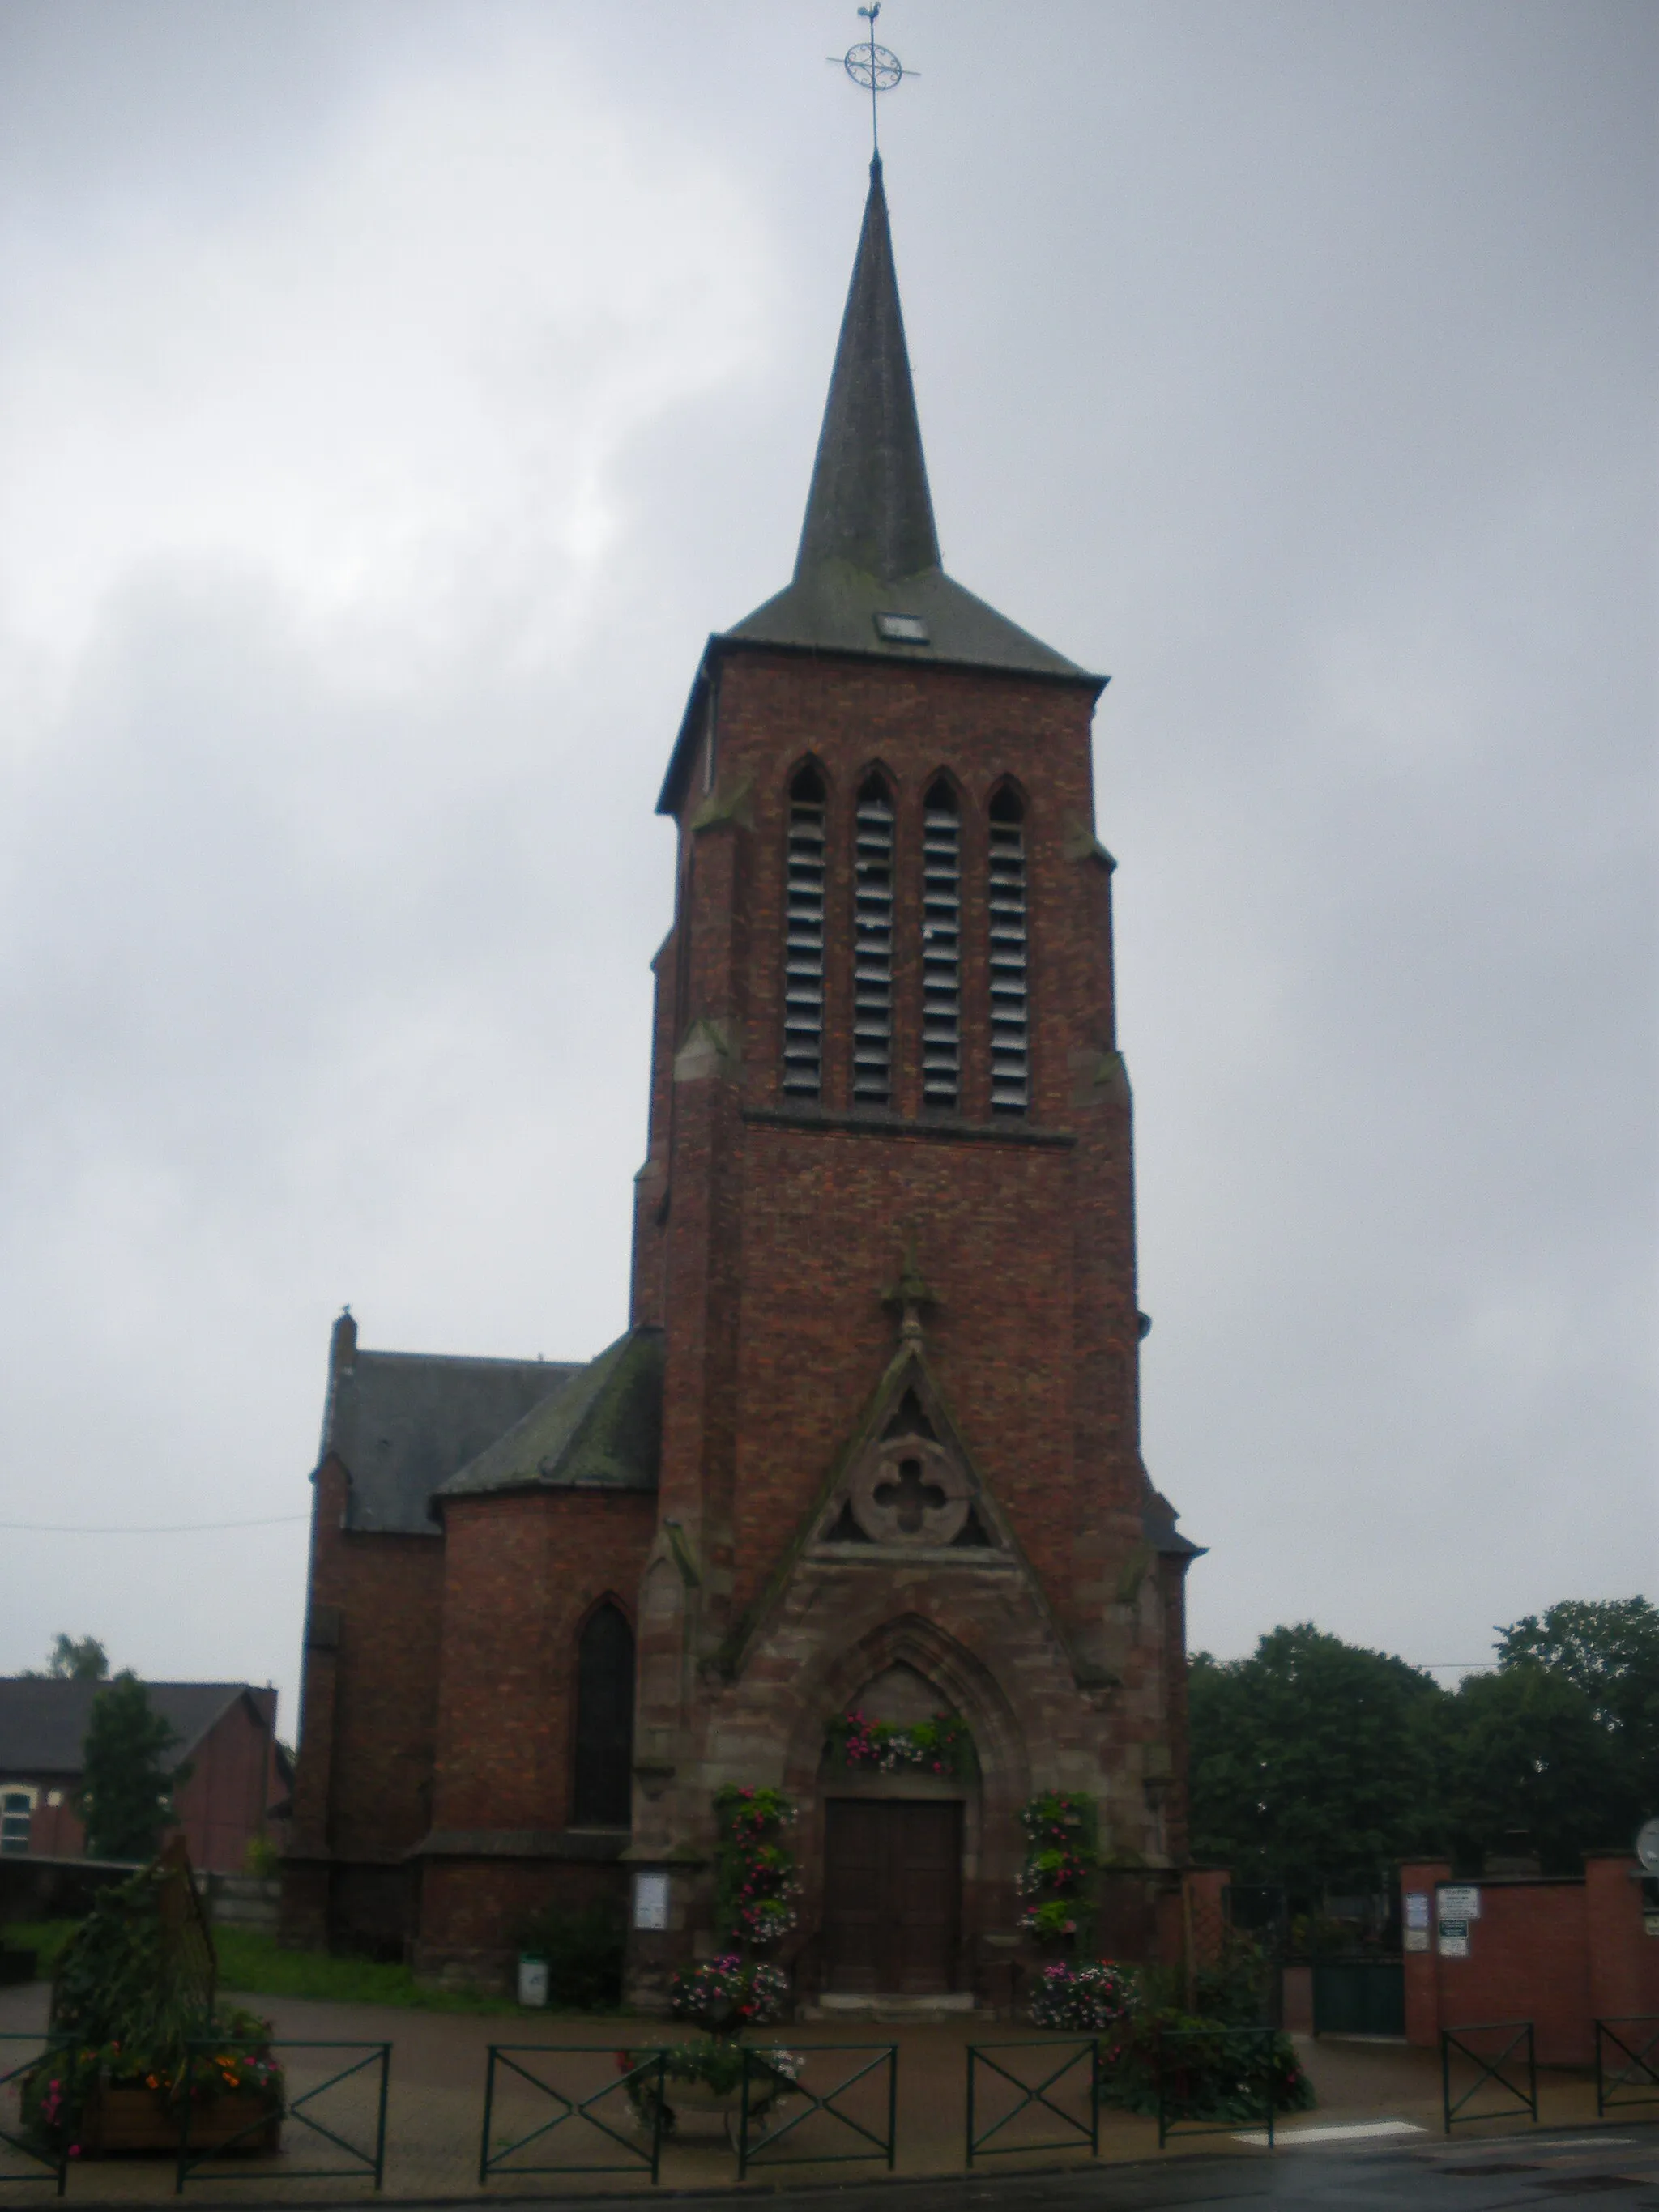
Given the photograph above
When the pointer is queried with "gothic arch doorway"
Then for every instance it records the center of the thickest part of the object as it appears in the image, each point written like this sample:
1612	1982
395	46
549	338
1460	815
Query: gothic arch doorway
893	1852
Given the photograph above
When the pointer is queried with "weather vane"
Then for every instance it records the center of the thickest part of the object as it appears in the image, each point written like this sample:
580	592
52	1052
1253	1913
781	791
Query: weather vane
872	67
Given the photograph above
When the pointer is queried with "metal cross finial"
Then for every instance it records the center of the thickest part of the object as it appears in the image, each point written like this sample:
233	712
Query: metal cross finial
874	67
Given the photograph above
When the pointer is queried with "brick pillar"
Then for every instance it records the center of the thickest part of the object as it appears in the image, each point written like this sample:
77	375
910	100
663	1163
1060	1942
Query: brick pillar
1624	1961
1418	1877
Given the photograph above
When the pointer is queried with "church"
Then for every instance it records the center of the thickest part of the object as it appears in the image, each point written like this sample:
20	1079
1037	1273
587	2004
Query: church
864	1467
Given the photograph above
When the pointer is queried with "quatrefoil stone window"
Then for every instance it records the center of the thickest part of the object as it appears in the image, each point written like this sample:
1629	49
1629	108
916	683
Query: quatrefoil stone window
910	1492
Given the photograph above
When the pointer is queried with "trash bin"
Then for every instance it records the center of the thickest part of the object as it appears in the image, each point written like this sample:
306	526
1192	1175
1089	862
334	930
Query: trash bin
532	1979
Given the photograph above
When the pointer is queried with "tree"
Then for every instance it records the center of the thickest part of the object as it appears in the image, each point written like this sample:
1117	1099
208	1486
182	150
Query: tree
78	1659
125	1797
1313	1759
1609	1651
1525	1751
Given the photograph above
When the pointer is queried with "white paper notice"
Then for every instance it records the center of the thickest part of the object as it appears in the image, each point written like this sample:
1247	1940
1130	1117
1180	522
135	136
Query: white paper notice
1459	1903
650	1900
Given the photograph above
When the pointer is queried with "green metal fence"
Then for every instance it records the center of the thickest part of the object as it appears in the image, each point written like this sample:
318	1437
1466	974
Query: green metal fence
869	2118
54	2165
1214	2080
1627	2058
623	2105
280	2103
1009	2084
1496	2064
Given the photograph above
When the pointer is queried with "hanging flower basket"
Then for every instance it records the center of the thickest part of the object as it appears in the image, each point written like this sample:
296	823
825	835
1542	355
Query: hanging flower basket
942	1745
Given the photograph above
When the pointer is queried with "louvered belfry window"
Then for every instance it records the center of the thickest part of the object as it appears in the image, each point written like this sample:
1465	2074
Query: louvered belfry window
1010	1042
803	961
602	1795
941	950
873	946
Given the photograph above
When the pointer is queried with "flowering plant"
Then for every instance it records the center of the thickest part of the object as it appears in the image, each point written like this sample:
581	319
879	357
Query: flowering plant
728	1994
1059	1858
773	2073
942	1745
55	2093
1088	1998
1049	1920
758	1891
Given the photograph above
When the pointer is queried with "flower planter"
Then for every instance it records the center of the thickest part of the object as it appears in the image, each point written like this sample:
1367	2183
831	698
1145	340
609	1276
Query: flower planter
119	2118
695	2113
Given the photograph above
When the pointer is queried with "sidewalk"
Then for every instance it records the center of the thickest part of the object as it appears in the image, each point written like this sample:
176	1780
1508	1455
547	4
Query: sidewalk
435	2106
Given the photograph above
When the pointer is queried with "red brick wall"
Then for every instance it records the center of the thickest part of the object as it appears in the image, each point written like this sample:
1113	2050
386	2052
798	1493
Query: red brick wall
1624	1959
778	1240
221	1807
1560	1953
522	1574
368	1702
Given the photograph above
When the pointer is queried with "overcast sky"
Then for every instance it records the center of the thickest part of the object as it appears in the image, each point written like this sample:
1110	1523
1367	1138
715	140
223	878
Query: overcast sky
393	396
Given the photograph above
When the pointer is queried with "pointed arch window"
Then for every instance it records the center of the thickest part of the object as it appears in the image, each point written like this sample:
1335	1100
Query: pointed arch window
603	1795
872	945
941	948
1010	1038
803	956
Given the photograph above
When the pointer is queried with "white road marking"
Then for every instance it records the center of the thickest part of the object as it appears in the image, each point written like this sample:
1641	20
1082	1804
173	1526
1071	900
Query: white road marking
1358	2132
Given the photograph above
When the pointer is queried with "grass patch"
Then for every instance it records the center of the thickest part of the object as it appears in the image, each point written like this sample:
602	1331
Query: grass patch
258	1965
45	1938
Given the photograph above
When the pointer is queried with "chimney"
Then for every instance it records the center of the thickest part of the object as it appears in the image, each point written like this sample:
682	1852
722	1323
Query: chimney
342	1346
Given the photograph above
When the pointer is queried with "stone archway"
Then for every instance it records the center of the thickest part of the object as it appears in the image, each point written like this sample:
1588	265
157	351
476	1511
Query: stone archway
894	1833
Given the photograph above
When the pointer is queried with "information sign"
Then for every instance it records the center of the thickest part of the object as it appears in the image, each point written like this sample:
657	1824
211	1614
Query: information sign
650	1900
1416	1908
1454	1938
1459	1902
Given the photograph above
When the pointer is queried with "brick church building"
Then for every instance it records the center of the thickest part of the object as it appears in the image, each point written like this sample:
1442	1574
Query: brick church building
870	1438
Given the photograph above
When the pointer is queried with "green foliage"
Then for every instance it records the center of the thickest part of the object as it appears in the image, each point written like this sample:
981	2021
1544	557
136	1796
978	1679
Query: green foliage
1061	1858
257	1965
1210	2073
45	1938
756	1888
1312	1757
261	1858
1610	1651
944	1744
125	1797
584	1954
1524	1752
1314	1761
119	1982
78	1659
127	1997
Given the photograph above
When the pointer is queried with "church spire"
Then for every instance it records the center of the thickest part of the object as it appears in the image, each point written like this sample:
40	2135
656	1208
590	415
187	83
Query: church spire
869	505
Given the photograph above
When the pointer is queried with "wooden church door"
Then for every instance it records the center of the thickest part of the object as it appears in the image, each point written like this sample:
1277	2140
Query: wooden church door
892	1895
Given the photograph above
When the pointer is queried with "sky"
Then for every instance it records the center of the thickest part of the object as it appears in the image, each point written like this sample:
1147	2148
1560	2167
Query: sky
393	395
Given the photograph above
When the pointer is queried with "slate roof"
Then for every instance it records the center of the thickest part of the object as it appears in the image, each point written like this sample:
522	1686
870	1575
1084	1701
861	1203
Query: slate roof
1158	1523
602	1430
43	1721
402	1423
868	544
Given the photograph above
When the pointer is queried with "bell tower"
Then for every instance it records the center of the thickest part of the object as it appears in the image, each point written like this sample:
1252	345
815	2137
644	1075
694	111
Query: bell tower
886	1223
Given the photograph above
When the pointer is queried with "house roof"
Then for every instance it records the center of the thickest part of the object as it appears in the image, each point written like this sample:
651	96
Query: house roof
602	1430
402	1423
43	1720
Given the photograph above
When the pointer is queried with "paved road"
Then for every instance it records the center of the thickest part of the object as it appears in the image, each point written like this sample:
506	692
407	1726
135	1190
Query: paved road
1592	2167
